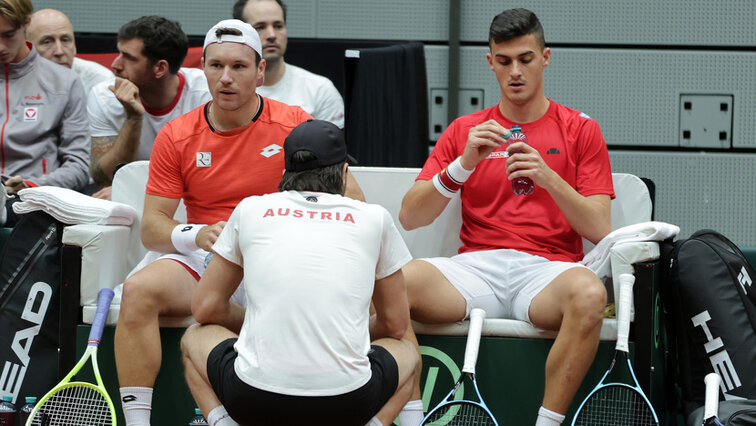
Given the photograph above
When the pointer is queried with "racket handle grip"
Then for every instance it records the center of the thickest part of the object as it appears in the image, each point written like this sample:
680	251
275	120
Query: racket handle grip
624	302
477	316
104	297
711	403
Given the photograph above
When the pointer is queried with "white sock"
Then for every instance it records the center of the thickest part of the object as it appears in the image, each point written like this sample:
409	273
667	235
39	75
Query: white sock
219	417
548	418
412	413
137	404
374	422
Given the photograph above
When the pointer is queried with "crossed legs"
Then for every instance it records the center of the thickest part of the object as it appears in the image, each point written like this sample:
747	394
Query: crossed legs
200	340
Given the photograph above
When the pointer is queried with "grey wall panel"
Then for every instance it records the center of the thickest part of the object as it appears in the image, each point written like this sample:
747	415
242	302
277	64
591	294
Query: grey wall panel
699	190
648	22
302	18
635	94
107	16
384	19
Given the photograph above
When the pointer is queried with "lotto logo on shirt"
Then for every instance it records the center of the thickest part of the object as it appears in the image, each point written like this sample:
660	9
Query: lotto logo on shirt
271	150
30	114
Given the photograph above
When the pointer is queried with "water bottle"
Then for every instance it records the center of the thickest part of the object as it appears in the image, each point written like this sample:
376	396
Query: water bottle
198	419
26	409
521	185
7	411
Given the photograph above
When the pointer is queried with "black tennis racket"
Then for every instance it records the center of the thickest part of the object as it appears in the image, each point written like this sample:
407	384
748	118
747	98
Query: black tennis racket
463	412
711	403
618	404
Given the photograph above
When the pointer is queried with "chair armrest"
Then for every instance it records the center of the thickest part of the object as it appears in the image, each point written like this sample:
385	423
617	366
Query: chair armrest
623	255
104	250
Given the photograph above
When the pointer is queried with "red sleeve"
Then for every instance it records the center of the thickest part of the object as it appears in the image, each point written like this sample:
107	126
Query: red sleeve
594	171
165	166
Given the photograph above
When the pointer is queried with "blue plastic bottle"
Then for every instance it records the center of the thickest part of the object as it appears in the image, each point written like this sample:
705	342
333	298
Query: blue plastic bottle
26	409
198	419
523	185
8	411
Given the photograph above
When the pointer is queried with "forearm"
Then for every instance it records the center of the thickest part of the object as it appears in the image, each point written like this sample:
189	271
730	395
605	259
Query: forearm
227	313
380	328
156	232
108	152
422	205
588	216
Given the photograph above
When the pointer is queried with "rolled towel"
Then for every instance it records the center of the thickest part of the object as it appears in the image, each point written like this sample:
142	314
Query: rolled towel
71	207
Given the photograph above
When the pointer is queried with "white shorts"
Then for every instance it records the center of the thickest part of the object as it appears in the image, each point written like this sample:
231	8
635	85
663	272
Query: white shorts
195	261
501	282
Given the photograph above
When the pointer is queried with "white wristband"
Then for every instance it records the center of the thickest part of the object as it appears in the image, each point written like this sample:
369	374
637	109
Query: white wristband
449	180
184	237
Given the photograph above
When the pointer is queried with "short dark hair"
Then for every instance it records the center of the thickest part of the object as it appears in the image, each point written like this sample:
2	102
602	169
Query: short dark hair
323	179
238	10
515	23
162	38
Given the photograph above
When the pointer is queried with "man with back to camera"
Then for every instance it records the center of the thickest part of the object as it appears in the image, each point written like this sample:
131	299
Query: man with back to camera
519	252
310	258
52	34
150	89
212	158
44	138
285	82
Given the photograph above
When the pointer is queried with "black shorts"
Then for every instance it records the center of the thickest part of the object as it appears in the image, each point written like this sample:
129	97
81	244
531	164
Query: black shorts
251	406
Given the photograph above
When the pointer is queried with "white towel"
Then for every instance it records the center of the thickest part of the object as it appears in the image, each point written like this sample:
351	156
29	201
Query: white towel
598	258
71	207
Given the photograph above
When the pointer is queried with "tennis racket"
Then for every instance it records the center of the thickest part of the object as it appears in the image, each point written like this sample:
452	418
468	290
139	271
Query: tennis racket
711	403
80	403
618	404
464	412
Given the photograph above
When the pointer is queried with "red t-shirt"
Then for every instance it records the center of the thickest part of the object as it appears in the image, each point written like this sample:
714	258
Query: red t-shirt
493	217
213	170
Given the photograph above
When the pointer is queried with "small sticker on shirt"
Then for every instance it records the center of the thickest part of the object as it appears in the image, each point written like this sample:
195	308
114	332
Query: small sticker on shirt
204	159
30	114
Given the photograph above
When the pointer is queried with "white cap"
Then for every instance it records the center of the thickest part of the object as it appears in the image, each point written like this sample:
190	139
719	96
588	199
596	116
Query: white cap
248	35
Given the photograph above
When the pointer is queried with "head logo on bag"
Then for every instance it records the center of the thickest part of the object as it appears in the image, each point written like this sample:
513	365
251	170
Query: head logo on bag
718	355
12	375
744	279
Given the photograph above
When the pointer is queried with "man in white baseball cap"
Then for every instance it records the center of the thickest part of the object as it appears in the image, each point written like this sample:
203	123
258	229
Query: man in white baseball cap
212	158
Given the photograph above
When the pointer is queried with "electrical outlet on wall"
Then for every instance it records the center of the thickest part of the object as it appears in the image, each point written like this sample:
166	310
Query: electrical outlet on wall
438	108
470	101
706	121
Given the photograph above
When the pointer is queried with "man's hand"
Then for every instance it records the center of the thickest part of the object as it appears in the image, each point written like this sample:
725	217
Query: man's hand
128	95
525	161
15	184
104	193
481	141
208	235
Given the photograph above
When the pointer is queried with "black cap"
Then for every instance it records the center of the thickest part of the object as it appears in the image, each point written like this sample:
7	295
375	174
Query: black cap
322	138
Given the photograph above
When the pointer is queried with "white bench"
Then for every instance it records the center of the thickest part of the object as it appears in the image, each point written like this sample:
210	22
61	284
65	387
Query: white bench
110	252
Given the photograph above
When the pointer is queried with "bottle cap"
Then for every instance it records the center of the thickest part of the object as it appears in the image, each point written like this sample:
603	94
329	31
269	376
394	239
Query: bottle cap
197	412
31	399
516	128
7	398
